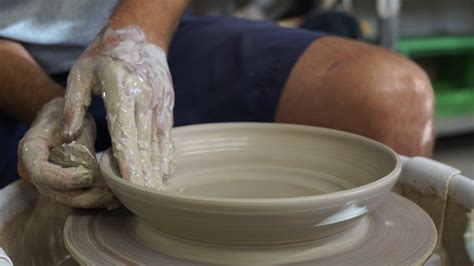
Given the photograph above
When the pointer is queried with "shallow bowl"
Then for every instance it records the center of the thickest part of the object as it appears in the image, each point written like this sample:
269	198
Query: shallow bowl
261	184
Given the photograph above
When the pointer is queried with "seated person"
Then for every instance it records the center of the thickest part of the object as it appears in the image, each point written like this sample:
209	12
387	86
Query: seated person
221	69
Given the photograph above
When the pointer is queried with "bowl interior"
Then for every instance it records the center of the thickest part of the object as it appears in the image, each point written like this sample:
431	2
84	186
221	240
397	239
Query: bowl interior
269	161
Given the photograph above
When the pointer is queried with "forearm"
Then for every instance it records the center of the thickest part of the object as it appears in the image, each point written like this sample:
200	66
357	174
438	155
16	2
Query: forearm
158	19
24	86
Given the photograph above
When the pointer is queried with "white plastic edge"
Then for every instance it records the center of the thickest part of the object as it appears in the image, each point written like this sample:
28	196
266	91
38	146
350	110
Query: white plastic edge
4	259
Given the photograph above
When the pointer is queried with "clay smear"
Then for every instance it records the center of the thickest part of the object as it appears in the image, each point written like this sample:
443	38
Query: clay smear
133	79
145	65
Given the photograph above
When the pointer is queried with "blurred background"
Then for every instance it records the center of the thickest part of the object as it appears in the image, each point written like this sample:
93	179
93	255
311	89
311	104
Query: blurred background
437	34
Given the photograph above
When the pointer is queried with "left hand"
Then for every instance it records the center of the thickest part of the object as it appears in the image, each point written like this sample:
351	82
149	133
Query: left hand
67	173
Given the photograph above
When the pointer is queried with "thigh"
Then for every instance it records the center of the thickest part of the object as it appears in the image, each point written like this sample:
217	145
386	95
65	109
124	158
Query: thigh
228	69
364	89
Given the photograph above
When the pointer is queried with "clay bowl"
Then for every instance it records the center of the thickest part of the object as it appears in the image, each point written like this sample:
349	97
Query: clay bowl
261	184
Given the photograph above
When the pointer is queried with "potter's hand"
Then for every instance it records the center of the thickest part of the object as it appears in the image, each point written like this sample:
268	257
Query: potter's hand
67	173
133	78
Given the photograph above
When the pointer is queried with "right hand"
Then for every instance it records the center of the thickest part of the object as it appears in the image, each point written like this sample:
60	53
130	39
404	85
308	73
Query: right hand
67	173
132	76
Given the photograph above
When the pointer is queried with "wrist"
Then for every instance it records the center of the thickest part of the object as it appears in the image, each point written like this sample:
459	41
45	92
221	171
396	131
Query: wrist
110	37
136	32
157	19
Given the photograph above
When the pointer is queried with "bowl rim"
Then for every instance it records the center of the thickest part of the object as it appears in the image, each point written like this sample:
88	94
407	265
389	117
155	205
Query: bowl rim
344	195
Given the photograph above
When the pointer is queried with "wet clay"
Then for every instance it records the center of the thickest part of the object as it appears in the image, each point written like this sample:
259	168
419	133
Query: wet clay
37	143
35	236
76	154
132	77
67	173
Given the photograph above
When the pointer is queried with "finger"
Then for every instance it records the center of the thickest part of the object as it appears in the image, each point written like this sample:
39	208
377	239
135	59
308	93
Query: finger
162	145
90	198
50	114
143	120
35	158
163	148
74	154
117	78
77	98
35	151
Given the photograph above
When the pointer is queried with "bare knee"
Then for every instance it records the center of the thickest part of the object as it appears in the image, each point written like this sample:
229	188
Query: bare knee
363	89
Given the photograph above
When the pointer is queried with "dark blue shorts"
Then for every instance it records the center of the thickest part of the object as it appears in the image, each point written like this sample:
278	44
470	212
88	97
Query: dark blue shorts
224	69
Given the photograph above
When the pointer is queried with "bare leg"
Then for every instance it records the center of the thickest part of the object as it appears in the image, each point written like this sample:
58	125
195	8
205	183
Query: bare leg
356	87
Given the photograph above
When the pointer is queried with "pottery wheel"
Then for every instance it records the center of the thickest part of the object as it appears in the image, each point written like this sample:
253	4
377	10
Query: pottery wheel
398	232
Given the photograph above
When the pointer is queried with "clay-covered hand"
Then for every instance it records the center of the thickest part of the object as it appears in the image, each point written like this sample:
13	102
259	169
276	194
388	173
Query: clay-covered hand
67	173
133	79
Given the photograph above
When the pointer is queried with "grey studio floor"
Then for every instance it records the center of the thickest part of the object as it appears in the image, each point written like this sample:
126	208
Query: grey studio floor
457	151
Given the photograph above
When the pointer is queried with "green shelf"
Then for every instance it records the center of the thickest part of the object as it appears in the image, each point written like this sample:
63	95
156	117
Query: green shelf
426	46
450	63
453	101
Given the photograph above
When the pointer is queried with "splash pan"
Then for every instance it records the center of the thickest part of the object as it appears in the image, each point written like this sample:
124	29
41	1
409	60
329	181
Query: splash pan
397	233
